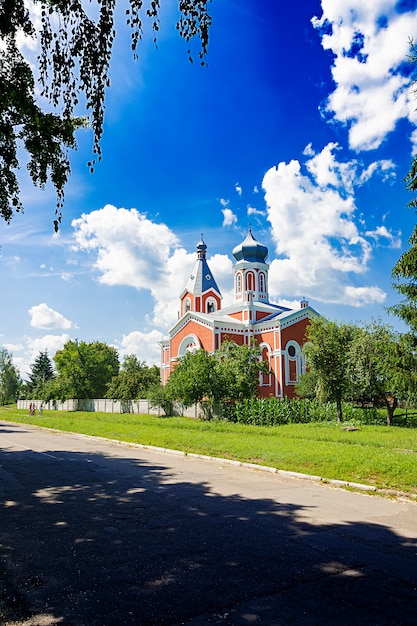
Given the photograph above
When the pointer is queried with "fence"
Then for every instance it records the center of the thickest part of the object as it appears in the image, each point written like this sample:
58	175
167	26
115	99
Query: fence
104	405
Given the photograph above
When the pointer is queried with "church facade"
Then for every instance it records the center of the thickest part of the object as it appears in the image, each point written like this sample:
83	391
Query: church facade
203	323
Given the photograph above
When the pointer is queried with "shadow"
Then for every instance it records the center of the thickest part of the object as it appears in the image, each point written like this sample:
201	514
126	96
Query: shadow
96	540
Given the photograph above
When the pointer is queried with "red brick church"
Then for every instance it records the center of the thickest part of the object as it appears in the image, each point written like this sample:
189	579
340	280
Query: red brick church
203	323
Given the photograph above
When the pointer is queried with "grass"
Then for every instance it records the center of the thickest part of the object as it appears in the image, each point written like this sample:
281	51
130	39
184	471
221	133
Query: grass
375	455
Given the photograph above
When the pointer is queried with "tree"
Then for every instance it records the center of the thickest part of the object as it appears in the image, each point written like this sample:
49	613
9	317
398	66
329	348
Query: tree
238	367
42	370
404	272
194	378
84	370
73	67
134	380
327	354
229	374
382	365
9	378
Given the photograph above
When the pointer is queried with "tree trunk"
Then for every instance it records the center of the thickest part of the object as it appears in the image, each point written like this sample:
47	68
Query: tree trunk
339	409
391	402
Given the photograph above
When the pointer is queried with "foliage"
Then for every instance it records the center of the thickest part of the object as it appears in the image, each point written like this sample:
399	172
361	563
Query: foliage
231	373
404	272
327	354
42	370
238	369
194	378
159	397
381	366
84	370
133	381
73	67
308	386
9	378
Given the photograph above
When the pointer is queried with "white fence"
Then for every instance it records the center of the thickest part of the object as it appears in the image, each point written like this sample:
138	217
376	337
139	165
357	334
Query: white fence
110	406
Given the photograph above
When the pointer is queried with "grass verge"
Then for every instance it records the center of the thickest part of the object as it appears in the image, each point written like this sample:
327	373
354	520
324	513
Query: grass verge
375	455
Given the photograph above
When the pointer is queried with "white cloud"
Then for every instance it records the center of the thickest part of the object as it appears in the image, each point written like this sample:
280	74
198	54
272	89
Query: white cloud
382	232
144	345
221	266
370	41
25	354
42	316
252	211
359	296
385	168
129	249
238	189
229	218
315	230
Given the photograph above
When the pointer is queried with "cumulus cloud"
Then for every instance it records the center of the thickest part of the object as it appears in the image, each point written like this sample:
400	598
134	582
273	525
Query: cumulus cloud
144	345
129	249
24	354
253	211
238	189
314	227
229	218
42	316
370	41
381	233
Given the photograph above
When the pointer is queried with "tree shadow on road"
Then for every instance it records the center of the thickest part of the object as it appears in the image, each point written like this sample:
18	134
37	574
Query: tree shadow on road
96	540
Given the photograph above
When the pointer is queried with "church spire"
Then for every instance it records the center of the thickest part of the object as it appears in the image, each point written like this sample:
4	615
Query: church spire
201	292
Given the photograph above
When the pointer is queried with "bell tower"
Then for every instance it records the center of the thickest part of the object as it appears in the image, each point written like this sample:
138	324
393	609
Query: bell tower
251	271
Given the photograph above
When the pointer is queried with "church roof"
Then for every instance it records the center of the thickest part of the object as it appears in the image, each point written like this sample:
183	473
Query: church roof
250	250
278	314
201	279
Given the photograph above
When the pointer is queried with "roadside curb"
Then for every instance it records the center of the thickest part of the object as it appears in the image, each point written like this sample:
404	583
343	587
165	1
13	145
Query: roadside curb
215	459
253	466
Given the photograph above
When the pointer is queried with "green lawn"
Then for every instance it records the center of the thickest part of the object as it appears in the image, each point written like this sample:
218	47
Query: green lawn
374	455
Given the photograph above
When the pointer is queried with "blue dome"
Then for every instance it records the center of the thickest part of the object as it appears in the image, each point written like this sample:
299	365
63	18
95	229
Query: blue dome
250	250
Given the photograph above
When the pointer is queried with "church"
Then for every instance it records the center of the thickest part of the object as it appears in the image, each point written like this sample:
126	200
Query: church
203	323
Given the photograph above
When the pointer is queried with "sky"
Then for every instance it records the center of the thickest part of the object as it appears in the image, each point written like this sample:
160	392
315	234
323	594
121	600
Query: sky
302	125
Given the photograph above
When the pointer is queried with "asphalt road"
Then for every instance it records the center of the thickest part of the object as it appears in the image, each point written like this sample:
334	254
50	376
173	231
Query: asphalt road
94	533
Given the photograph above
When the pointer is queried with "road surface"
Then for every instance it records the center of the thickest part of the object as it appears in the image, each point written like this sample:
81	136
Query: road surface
95	533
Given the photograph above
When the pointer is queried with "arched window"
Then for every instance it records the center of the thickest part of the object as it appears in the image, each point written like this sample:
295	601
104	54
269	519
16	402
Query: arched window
265	379
211	306
238	283
293	363
188	344
187	305
262	282
249	281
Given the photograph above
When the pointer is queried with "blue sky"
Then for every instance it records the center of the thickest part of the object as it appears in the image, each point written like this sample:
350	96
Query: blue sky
302	124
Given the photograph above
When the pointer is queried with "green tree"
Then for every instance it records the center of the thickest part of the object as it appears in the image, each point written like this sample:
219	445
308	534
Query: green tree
42	370
382	365
134	380
229	374
73	68
404	273
84	370
327	354
194	379
9	378
238	368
